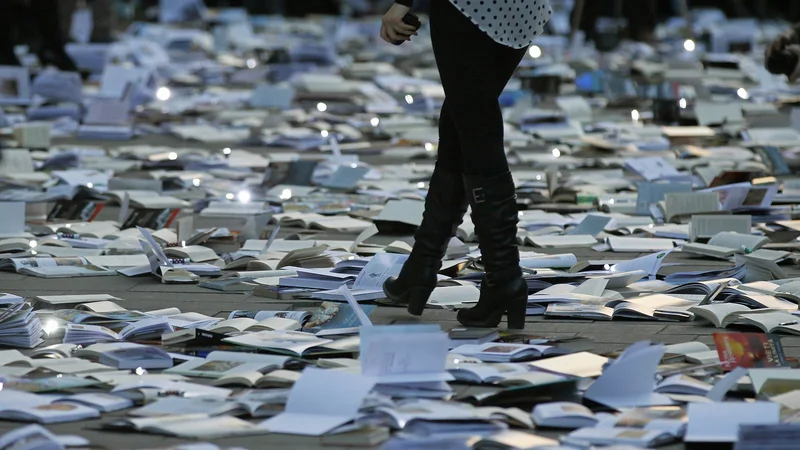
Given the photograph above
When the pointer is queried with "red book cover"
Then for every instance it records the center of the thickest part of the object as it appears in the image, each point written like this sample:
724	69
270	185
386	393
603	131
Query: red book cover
749	350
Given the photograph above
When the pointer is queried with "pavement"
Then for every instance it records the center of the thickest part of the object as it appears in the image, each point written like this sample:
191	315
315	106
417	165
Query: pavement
147	293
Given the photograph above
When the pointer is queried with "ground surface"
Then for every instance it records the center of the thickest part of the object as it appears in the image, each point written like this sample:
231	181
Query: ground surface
146	293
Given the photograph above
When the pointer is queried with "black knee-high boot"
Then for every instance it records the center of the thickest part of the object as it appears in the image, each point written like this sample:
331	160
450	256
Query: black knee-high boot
445	206
503	289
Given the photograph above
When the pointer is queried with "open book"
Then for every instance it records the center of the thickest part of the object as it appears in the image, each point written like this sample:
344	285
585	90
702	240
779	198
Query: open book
244	324
294	343
88	334
726	244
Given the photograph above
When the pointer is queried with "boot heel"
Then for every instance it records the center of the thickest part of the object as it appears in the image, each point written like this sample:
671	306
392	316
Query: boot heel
417	299
515	315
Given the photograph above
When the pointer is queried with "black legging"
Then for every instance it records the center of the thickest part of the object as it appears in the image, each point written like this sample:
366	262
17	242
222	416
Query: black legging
474	69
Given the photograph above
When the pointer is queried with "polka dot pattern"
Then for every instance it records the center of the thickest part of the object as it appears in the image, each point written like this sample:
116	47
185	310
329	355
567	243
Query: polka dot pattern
513	23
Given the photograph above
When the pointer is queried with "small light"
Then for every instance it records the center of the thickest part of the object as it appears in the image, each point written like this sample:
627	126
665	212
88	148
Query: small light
635	115
229	196
322	107
286	194
140	371
50	326
519	214
375	121
34	252
183	243
742	93
409	99
353	166
606	267
556	153
428	147
90	185
421	185
324	133
33	244
244	196
650	226
688	45
456	361
538	177
60	375
534	51
163	93
251	63
682	103
611	202
226	151
69	225
196	182
172	156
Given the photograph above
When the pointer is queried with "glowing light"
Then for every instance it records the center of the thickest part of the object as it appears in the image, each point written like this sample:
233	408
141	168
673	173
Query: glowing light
226	151
556	153
69	225
353	166
251	63
140	371
650	226
409	99
322	107
682	103
742	93
688	45
196	182
172	156
183	243
428	147
635	115
244	196
229	196
534	51
286	194
33	244
538	177
90	185
421	185
163	94
375	121
50	326
606	267
611	202
324	133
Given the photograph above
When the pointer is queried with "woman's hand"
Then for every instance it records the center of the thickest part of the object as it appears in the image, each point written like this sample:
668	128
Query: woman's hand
393	28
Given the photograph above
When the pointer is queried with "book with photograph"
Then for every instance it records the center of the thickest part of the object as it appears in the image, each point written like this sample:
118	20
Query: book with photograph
749	350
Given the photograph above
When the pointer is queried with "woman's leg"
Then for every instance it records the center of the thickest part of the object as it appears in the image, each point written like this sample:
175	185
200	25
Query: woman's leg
445	206
474	69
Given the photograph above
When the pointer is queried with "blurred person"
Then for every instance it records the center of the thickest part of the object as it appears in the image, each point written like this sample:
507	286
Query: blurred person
38	24
477	46
782	55
641	17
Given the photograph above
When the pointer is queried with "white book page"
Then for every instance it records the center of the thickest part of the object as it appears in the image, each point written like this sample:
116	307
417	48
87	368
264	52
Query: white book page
313	408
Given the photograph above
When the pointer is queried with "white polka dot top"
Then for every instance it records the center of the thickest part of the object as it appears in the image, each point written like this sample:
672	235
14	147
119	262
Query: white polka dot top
514	23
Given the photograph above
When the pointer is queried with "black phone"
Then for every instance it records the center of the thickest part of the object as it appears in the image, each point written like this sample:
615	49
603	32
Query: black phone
410	19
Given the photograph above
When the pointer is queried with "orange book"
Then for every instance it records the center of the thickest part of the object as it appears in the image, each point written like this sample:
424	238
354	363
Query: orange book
749	350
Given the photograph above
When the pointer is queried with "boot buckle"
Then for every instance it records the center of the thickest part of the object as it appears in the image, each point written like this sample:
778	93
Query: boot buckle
478	195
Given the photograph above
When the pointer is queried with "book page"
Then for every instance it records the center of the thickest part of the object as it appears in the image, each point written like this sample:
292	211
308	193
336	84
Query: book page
707	226
681	204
